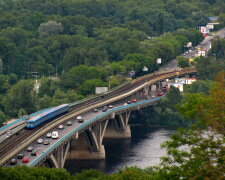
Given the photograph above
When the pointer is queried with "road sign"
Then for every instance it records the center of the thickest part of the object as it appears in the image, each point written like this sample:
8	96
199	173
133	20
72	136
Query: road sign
180	80
159	61
210	26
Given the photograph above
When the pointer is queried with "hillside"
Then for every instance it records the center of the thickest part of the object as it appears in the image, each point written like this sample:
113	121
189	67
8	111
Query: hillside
89	43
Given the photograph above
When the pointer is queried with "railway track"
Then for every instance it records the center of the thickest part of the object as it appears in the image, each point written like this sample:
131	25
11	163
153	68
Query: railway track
11	143
79	108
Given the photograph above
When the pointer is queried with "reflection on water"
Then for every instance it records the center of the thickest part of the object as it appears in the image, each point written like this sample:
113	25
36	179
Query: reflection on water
142	150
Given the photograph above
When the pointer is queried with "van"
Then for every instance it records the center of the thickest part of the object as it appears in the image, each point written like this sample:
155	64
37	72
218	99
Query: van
55	135
80	119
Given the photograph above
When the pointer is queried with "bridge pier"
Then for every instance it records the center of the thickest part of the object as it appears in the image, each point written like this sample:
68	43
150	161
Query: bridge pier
89	144
118	127
58	157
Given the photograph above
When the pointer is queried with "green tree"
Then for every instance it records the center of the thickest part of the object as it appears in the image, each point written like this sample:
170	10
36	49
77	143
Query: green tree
21	112
19	96
4	84
3	118
182	61
208	67
198	86
1	66
47	87
50	28
88	87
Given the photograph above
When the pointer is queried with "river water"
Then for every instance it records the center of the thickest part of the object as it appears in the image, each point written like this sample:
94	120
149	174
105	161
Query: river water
142	150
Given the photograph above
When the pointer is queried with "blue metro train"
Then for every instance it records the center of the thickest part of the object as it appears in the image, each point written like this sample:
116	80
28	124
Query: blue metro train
45	116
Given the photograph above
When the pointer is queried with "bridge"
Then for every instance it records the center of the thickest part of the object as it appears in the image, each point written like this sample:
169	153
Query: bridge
84	140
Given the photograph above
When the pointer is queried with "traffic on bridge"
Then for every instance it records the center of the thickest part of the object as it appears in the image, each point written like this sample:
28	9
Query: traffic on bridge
88	119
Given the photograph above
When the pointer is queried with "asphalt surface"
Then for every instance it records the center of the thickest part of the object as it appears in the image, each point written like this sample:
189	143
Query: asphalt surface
41	148
204	45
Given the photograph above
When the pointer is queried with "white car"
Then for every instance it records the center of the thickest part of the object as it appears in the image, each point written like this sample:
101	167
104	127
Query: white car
69	123
60	126
80	119
49	135
110	106
40	141
55	135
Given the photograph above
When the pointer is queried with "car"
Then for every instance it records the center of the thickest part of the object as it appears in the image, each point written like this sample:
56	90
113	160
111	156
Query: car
164	89
55	135
129	102
134	100
95	110
46	142
110	106
153	96
49	135
30	148
105	108
80	119
34	153
69	123
125	104
40	141
20	156
13	161
25	160
61	126
160	93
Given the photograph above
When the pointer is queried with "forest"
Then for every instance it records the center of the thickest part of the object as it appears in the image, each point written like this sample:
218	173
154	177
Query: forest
194	152
73	46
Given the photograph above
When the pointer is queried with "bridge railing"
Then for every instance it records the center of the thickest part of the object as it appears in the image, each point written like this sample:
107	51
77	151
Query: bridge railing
92	120
64	118
99	95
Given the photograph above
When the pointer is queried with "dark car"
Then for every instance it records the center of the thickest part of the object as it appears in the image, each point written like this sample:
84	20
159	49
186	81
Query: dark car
164	89
129	102
34	153
46	142
13	161
105	108
95	110
20	156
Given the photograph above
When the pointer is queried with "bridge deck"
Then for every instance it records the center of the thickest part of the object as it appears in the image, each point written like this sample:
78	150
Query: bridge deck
135	86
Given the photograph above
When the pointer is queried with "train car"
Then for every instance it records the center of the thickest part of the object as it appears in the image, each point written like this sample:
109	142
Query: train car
45	116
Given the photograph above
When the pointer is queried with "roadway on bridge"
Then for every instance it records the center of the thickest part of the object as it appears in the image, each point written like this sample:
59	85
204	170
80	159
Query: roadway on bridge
205	44
41	148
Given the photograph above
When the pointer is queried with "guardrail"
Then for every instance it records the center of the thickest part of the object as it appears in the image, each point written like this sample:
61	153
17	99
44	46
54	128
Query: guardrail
55	123
98	95
22	119
68	135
